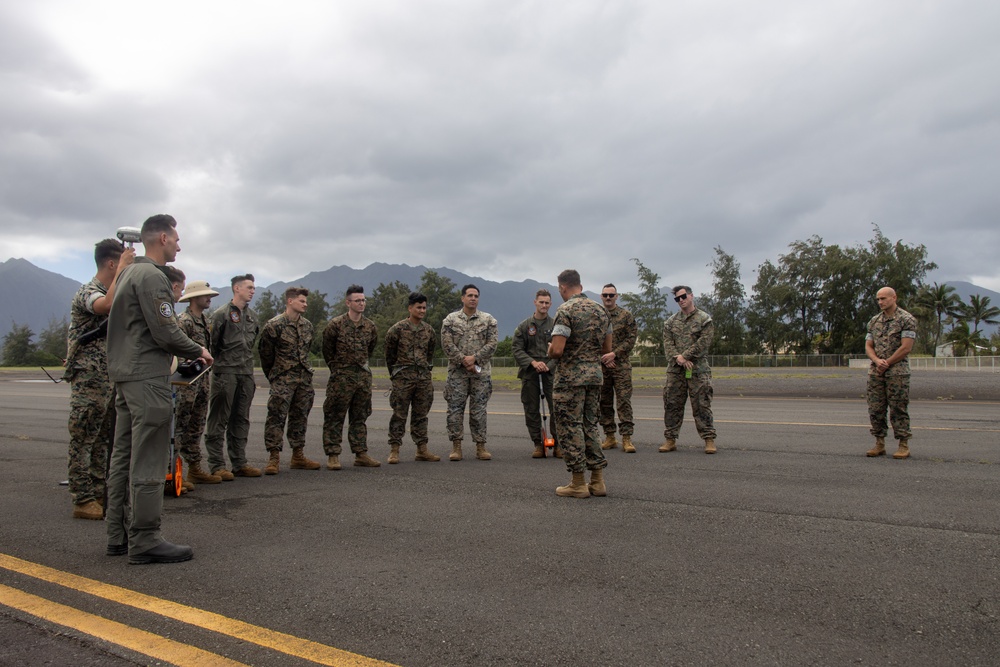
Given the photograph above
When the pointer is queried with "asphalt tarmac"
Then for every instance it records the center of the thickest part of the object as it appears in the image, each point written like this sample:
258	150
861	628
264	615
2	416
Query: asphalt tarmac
789	546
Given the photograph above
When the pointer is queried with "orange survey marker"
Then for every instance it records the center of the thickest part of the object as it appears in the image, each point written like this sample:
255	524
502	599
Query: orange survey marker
547	439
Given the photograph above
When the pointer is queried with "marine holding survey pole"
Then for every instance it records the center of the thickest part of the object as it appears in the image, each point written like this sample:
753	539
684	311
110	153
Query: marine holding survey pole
91	399
535	368
143	338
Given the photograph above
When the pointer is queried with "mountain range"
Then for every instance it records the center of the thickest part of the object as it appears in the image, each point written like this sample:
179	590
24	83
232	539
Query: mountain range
36	297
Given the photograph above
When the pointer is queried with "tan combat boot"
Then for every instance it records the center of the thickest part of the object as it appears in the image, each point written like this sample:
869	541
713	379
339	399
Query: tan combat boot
610	442
186	485
627	445
577	488
198	476
596	486
273	463
878	449
556	452
481	453
362	460
247	471
904	450
539	452
223	474
88	510
300	462
424	455
668	446
393	455
709	445
333	462
456	451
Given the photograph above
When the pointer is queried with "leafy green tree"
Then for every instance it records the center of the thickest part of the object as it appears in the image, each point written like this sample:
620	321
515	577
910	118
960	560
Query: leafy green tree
979	311
896	265
268	305
18	348
728	307
52	340
649	308
317	312
386	306
443	297
505	348
942	302
765	323
803	272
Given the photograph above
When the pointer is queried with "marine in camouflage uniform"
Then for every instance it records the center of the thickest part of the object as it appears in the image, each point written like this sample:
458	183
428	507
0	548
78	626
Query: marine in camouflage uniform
91	415
409	355
347	346
888	342
284	357
618	372
582	333
687	337
192	399
469	338
234	330
531	353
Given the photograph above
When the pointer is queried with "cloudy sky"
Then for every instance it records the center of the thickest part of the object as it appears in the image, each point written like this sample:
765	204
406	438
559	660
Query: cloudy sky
504	139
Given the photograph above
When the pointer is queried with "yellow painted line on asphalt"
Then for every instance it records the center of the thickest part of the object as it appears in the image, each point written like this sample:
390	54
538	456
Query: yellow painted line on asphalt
140	641
279	641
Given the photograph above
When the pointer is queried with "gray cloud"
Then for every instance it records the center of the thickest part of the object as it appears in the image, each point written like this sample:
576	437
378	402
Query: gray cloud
513	140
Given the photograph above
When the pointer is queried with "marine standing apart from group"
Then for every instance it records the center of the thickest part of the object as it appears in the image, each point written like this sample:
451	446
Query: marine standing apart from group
687	337
469	338
890	338
234	331
618	373
143	337
192	399
92	395
409	356
348	342
581	335
284	348
535	368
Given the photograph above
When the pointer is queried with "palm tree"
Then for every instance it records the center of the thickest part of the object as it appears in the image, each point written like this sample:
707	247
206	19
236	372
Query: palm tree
964	340
980	310
941	301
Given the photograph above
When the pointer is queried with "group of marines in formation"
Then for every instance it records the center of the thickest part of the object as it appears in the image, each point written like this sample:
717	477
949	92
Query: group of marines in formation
577	362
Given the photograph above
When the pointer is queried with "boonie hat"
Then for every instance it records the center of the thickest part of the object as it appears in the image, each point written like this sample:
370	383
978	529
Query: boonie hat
197	288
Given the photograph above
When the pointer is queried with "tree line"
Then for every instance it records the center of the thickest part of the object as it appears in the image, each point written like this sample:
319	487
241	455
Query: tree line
815	299
818	299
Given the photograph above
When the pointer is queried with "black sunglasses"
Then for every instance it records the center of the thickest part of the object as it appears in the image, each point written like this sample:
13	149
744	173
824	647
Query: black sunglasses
681	297
608	296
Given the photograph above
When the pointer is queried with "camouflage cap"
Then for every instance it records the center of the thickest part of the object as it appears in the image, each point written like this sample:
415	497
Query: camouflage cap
197	288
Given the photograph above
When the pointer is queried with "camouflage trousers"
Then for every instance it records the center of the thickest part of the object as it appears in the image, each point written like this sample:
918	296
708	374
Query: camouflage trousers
91	414
575	416
229	418
462	387
189	422
413	394
348	395
531	400
675	392
617	383
289	402
890	393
